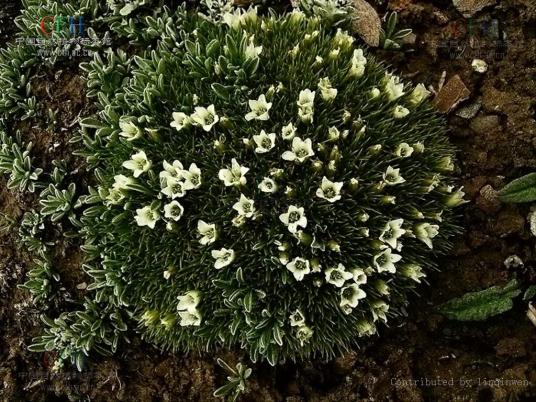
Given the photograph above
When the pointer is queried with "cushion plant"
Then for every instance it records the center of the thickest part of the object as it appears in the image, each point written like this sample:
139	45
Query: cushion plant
264	182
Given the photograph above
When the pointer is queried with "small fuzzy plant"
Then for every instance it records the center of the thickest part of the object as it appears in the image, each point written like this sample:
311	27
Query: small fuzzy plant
263	182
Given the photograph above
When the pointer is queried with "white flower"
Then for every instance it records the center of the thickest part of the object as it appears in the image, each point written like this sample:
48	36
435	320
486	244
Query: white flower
350	295
455	199
168	321
121	182
342	39
445	164
252	51
244	207
223	257
374	93
384	261
301	150
288	132
418	94
189	301
138	163
147	216
327	92
329	190
173	210
365	328
180	120
412	271
306	114
205	117
115	196
418	147
208	232
360	278
172	170
267	185
399	112
265	142
392	232
337	276
238	221
297	319
425	232
234	19
190	318
192	177
304	333
169	272
259	109
306	98
294	218
392	87
358	63
239	17
235	176
306	105
129	130
173	187
334	134
299	268
392	176
379	308
333	54
403	150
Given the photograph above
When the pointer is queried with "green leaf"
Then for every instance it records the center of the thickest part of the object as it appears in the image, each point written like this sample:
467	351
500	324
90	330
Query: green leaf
530	292
221	91
478	306
522	189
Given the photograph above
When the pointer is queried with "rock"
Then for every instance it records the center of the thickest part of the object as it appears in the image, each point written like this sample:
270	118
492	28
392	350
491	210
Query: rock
513	262
366	23
488	200
470	7
484	124
479	66
451	94
469	111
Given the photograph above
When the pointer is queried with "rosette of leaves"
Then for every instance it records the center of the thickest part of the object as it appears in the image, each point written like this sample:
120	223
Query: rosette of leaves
264	183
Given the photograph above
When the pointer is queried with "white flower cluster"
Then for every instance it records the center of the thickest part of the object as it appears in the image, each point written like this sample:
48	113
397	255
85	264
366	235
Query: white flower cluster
289	144
201	117
303	332
187	308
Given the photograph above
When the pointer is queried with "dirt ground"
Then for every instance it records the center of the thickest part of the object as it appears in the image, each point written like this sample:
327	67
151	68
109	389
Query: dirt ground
424	357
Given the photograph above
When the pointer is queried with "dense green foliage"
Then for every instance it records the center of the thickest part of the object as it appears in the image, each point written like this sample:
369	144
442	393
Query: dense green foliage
261	182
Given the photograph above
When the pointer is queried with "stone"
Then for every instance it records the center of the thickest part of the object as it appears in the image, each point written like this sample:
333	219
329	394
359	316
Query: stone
470	7
469	111
480	66
451	94
366	23
488	201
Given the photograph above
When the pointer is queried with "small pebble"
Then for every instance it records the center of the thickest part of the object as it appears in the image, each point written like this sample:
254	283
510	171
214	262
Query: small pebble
480	66
513	262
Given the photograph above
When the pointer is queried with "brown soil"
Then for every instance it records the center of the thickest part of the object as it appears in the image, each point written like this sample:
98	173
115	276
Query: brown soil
422	358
